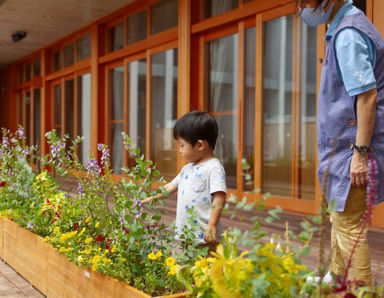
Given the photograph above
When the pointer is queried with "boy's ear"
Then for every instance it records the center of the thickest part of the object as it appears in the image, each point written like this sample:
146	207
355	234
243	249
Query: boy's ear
201	145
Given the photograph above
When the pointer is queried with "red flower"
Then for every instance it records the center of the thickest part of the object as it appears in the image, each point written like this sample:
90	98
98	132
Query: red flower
75	226
48	202
2	184
57	215
107	247
127	231
99	238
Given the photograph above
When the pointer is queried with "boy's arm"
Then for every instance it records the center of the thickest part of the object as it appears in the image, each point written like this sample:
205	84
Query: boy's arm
219	199
168	187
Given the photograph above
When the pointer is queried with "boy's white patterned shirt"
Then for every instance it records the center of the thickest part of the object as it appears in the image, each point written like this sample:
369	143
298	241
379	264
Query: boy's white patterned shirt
196	186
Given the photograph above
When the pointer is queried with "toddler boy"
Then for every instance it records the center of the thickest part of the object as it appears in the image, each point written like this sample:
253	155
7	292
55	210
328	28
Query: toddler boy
201	183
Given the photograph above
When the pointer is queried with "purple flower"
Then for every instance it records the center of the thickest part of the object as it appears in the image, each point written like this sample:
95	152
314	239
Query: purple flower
5	141
122	220
81	189
30	225
20	133
27	152
93	167
105	157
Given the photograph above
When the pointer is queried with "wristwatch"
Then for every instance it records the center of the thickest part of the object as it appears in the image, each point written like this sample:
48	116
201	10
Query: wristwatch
361	149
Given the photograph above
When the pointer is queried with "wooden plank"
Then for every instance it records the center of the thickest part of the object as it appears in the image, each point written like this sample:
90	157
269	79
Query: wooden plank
184	64
52	273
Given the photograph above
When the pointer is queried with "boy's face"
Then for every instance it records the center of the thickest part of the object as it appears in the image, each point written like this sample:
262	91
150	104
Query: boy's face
188	152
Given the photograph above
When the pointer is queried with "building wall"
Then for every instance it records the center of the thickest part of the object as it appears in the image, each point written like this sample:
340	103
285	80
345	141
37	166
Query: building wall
254	66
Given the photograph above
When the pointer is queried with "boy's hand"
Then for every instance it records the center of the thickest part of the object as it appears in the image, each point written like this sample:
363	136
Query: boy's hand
147	200
210	234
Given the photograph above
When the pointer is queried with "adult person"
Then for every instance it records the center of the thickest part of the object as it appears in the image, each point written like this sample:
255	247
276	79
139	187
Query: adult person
350	124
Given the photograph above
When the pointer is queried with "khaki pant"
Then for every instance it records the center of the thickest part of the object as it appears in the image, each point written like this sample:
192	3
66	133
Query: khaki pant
346	228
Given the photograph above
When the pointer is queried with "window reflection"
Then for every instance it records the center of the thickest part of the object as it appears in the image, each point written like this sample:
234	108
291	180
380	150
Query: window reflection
84	115
136	83
164	110
213	8
115	38
164	15
115	117
56	109
278	166
221	88
307	166
249	104
277	107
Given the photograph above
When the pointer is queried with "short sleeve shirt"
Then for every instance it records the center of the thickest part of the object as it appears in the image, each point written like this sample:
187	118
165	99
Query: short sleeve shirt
196	186
356	54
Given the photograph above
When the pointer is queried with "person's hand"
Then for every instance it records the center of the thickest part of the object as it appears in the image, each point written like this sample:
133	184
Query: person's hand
359	169
210	234
147	200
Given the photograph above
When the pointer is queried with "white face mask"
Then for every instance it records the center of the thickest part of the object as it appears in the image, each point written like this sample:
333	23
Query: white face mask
314	17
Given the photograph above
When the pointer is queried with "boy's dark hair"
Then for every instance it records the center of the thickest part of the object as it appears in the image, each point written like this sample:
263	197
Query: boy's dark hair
195	126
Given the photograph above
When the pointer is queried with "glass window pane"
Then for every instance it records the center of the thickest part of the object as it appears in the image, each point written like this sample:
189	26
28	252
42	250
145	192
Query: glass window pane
116	93
36	66
27	71
164	15
245	1
137	79
221	89
84	115
69	111
36	118
56	109
137	27
116	145
213	8
115	116
20	110
307	166
115	38
277	107
83	47
27	127
56	61
69	54
249	104
164	111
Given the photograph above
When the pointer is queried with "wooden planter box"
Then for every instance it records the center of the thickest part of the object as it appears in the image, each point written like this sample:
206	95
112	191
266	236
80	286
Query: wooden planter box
52	273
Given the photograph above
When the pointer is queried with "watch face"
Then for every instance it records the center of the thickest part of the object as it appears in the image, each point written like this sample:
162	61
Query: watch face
363	150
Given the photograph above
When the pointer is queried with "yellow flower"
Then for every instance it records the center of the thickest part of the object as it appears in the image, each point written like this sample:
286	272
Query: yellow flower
87	220
106	260
97	224
123	259
46	239
56	230
170	262
152	256
202	264
61	249
113	248
158	254
99	249
42	176
82	232
173	270
80	259
89	239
